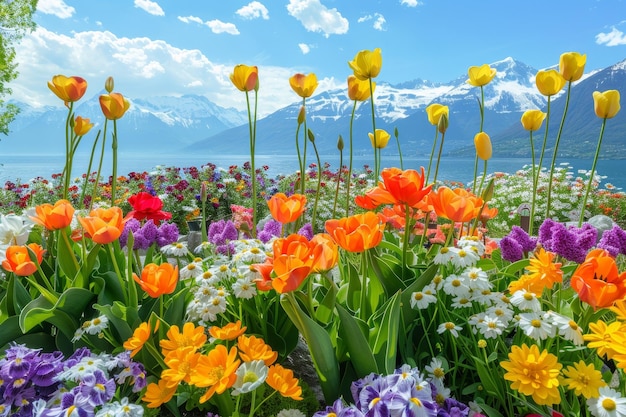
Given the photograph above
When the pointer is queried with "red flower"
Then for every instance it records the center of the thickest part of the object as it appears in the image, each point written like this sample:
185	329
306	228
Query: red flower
147	207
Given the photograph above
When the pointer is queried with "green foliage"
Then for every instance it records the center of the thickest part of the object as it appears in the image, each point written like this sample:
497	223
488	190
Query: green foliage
15	21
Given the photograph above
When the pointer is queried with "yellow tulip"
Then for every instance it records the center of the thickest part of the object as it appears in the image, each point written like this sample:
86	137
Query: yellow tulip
245	78
482	142
606	104
303	85
435	111
532	119
549	82
572	65
381	139
359	90
479	76
81	126
68	89
367	64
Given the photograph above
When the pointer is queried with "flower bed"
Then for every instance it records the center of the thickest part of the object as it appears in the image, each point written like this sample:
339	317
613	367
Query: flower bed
393	282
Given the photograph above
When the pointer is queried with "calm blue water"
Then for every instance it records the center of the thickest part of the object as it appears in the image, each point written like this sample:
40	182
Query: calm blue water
25	167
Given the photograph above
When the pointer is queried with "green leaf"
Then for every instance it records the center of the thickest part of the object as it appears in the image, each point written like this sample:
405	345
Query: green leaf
387	334
320	347
490	385
361	355
120	318
408	313
324	312
388	269
65	313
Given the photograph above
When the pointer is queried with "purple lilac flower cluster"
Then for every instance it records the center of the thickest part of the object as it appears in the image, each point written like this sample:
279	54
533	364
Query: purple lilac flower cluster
35	383
147	234
613	241
570	242
222	233
403	393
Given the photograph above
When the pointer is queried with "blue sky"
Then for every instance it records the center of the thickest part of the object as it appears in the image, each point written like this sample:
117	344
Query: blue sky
175	47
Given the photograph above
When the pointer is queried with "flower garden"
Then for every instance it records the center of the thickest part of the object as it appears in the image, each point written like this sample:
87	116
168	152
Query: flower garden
360	291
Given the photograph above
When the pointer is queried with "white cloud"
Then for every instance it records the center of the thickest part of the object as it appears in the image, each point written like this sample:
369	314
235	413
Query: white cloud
217	26
379	21
142	67
304	48
614	38
189	19
254	10
316	17
410	3
55	7
151	7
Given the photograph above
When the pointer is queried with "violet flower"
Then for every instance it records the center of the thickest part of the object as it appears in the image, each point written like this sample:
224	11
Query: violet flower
510	249
613	241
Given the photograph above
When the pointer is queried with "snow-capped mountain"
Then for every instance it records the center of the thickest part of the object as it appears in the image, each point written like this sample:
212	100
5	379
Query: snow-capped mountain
166	123
194	124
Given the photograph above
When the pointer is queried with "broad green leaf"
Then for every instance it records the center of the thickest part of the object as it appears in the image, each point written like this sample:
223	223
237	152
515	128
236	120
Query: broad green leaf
65	313
324	311
361	355
388	270
387	335
490	385
320	347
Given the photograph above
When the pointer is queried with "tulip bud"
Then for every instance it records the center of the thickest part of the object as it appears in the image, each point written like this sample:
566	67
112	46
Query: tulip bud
488	191
395	132
311	136
301	115
340	143
109	84
482	142
443	123
203	192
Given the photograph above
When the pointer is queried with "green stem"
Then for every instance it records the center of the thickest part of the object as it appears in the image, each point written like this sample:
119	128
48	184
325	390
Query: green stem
376	161
534	197
319	184
252	128
88	173
300	161
303	168
593	171
338	183
405	238
556	148
399	150
443	136
363	311
118	272
67	171
350	163
114	157
482	181
95	187
432	154
482	120
252	401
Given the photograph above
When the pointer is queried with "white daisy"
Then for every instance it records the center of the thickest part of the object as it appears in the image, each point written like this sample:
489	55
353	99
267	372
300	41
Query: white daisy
463	258
244	288
96	326
472	243
435	369
525	300
567	328
610	403
192	269
177	249
250	375
421	299
461	302
456	286
120	409
477	279
450	327
490	326
444	256
535	326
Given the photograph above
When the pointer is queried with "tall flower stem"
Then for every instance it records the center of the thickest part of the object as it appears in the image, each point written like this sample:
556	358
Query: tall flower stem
407	233
319	179
556	148
300	160
303	162
376	154
482	120
252	129
363	312
534	197
67	171
339	172
88	173
114	170
395	133
432	153
543	151
443	136
349	178
593	171
95	187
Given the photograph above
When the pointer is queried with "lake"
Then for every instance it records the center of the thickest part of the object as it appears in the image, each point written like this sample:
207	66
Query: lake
25	167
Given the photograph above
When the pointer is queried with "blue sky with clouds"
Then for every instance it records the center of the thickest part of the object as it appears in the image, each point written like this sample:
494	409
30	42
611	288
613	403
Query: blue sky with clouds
175	47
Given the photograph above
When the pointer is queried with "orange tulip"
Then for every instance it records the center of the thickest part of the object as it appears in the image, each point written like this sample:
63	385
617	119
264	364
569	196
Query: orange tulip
103	225
18	259
68	89
265	270
458	205
286	209
357	233
395	216
245	78
81	126
294	259
54	217
597	280
304	85
359	90
329	255
400	187
157	280
114	105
